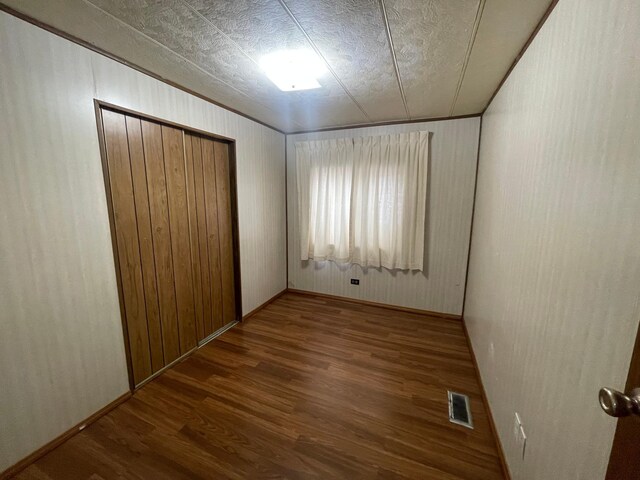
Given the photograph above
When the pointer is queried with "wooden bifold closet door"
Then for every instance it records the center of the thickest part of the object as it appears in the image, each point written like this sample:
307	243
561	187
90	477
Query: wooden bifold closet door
171	212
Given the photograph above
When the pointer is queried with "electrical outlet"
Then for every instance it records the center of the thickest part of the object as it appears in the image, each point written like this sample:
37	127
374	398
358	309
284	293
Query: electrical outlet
516	427
518	434
355	281
523	441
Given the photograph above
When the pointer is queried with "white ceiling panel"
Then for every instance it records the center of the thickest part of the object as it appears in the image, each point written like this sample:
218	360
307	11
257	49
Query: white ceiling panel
259	27
173	24
351	36
431	38
491	55
386	60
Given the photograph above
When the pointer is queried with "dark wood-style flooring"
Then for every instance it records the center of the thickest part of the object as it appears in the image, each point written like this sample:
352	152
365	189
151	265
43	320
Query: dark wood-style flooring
308	388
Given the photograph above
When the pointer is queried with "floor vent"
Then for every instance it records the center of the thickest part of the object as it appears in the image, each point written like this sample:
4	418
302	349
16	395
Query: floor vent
459	409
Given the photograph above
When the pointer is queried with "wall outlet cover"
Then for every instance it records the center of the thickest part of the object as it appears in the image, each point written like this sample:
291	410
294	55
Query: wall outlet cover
516	427
523	441
355	281
518	434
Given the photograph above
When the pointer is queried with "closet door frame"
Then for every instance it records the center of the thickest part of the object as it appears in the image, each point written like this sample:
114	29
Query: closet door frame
99	106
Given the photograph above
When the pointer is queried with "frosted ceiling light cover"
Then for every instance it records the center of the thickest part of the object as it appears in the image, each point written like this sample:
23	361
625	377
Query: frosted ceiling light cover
293	69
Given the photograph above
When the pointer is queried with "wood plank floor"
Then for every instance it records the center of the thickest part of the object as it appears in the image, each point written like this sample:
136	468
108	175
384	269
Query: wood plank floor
307	388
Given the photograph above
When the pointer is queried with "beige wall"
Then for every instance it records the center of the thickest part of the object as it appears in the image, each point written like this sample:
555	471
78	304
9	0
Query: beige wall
553	296
440	288
61	347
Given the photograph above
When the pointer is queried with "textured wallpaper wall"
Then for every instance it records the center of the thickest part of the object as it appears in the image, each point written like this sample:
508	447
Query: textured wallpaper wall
553	300
61	349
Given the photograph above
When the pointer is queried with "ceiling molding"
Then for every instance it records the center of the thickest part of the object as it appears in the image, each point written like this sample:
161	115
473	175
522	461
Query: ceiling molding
393	57
472	41
533	35
96	49
383	124
319	53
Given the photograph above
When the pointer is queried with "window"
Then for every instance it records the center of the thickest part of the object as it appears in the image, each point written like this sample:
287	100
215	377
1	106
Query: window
363	200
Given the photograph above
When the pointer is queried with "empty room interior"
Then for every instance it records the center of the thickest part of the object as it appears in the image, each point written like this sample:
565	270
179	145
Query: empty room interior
320	239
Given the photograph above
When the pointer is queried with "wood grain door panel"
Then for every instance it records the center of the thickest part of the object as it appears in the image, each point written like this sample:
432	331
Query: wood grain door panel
143	217
127	242
172	212
225	232
203	243
193	235
624	460
212	224
161	233
213	242
180	243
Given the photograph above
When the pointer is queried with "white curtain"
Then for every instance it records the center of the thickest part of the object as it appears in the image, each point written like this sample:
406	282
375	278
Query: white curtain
324	171
389	198
363	200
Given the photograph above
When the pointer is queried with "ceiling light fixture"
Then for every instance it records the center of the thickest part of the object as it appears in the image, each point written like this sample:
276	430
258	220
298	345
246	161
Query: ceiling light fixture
293	70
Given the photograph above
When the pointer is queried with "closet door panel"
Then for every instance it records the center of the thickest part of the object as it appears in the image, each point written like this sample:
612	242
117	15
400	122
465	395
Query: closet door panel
171	201
122	197
225	232
211	213
193	236
203	236
174	160
158	206
143	216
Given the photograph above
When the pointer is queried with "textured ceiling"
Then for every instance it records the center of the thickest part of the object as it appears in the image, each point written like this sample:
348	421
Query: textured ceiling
386	59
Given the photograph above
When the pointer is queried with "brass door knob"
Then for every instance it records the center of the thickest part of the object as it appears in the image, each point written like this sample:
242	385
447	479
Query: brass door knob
618	404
